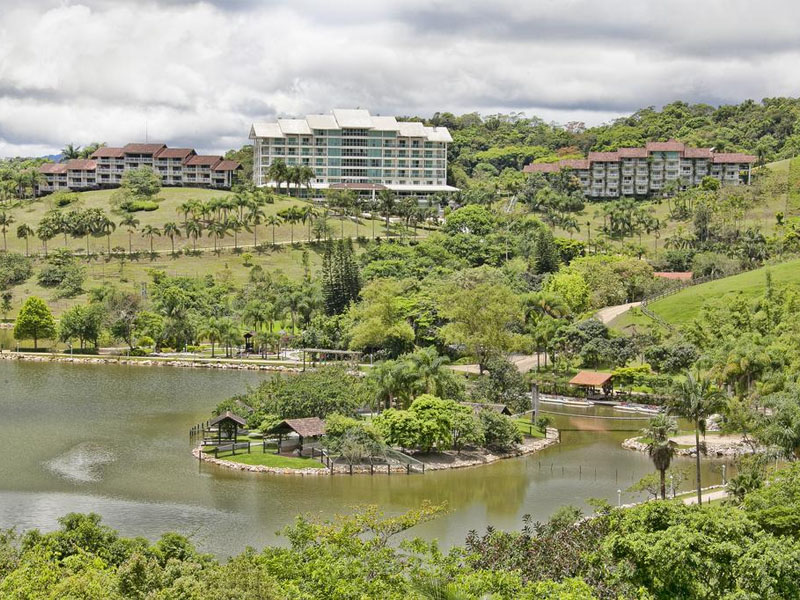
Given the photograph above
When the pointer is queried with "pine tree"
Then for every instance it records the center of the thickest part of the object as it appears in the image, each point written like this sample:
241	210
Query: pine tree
341	279
546	257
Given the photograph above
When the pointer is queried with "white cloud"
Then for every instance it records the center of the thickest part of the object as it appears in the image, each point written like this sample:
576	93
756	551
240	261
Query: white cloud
197	73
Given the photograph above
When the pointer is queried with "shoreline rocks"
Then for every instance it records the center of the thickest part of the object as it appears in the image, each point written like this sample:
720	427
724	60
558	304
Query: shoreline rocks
528	447
714	450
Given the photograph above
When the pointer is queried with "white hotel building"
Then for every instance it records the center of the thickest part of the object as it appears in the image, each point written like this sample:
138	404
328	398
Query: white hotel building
350	148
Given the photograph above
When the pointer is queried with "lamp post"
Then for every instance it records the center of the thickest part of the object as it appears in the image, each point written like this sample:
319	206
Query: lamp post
671	486
723	475
619	498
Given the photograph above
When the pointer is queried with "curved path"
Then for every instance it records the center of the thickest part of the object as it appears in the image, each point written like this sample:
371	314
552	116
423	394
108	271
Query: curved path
609	313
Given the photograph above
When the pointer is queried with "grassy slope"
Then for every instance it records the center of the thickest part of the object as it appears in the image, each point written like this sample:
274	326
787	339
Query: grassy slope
284	258
682	307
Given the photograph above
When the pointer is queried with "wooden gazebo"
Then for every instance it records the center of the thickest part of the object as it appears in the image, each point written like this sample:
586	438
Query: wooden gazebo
229	423
310	427
594	382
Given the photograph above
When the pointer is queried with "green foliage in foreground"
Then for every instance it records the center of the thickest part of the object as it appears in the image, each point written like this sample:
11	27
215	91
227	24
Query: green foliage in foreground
658	550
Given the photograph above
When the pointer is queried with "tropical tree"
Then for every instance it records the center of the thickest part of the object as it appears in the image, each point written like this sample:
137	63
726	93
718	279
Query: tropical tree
150	232
131	223
5	222
218	229
70	151
194	229
273	221
279	172
291	215
255	216
696	399
388	202
212	330
35	321
660	447
24	232
45	232
429	369
235	225
102	225
171	230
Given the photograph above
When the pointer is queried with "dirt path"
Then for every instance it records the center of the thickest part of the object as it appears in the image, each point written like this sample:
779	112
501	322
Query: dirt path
609	313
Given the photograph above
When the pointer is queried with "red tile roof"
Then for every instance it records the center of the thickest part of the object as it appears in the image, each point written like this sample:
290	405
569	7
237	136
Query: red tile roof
81	164
590	378
227	165
541	168
676	275
632	152
668	146
142	148
202	160
697	153
734	157
175	153
603	157
52	168
574	163
105	152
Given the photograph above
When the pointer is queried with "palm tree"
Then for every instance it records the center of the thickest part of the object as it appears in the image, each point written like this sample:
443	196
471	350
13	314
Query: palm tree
171	230
278	172
150	232
387	203
5	222
211	331
696	399
25	231
70	151
429	369
218	229
194	229
291	215
273	221
190	206
102	225
45	232
661	448
255	217
132	223
235	225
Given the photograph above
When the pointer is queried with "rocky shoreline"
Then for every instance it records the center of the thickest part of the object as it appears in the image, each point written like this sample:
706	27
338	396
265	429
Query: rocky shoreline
446	460
147	362
717	450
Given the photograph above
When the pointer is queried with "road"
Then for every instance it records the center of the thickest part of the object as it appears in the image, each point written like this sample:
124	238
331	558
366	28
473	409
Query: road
609	313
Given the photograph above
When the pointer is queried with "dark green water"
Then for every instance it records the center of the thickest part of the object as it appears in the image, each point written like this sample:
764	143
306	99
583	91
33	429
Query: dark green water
114	440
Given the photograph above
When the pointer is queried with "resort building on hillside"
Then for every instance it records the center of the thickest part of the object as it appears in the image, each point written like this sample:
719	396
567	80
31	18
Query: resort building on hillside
648	170
350	148
175	166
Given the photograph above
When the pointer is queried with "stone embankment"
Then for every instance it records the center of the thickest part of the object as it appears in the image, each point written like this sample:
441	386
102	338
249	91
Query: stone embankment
433	462
148	362
729	447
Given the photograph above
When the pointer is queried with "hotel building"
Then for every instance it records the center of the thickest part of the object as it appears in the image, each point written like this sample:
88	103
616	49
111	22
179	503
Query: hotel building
350	148
175	166
646	171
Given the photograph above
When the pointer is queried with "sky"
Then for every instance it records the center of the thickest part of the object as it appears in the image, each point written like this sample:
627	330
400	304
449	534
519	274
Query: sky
198	73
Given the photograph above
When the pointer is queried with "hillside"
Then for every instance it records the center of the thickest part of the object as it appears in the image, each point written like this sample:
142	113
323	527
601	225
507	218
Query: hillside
681	308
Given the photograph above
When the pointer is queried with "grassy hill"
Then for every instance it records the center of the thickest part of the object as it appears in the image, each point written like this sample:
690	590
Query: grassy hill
682	307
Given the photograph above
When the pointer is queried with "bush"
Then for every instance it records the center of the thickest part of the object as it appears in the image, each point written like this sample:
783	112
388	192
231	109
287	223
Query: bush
14	269
61	199
499	431
62	271
138	352
140	205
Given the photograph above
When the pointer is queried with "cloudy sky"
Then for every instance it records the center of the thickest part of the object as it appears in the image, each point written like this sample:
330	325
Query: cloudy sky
198	73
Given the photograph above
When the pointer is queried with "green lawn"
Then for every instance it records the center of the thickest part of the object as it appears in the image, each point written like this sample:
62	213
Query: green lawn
684	306
527	428
256	457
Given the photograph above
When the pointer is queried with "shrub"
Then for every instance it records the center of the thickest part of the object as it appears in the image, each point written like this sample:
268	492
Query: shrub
62	271
499	431
14	269
140	205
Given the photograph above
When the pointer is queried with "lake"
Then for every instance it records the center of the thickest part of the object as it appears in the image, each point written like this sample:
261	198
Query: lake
114	440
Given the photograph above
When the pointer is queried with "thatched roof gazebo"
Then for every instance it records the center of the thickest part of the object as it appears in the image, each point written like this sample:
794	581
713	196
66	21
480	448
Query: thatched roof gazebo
228	422
592	380
309	427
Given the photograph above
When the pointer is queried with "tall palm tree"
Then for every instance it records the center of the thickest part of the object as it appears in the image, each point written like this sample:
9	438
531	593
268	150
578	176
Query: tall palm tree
171	230
190	206
291	215
218	229
254	218
661	448
45	231
429	368
387	203
278	172
235	225
194	229
273	221
5	222
696	399
150	232
70	151
132	223
102	225
24	232
211	331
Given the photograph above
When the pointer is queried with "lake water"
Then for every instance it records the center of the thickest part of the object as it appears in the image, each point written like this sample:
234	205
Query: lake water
114	440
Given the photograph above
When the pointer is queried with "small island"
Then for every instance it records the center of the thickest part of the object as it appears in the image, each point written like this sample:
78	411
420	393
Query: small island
331	420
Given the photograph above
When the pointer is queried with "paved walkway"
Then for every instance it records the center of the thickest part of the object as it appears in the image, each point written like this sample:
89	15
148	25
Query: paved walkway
707	497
